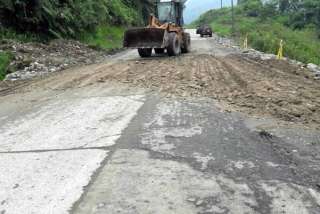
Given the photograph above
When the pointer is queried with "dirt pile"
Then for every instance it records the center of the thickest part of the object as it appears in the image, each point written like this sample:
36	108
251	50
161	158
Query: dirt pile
34	59
267	87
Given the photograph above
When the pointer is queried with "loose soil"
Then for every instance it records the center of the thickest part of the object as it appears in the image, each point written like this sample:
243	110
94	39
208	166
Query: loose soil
240	82
264	87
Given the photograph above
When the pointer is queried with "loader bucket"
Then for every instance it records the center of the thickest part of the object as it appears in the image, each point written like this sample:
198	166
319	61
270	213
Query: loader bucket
144	38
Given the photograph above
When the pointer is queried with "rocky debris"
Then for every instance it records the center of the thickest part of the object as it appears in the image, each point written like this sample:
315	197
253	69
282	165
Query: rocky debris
315	69
229	43
226	42
101	205
252	53
255	54
199	203
192	199
34	59
258	55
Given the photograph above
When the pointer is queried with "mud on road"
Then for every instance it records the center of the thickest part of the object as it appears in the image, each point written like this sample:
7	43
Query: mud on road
90	128
239	82
271	87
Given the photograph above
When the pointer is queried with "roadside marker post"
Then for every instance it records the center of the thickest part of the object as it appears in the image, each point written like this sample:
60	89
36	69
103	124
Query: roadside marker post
280	52
232	12
245	42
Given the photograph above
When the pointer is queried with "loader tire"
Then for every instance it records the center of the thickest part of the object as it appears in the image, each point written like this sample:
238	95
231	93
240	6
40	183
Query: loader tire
145	52
159	50
174	47
186	43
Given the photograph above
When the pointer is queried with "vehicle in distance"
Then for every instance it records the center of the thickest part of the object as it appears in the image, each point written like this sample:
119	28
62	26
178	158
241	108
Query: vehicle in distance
205	30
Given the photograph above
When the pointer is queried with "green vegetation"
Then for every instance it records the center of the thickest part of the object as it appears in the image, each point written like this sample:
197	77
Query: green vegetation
9	33
67	18
266	24
98	23
5	59
27	20
106	37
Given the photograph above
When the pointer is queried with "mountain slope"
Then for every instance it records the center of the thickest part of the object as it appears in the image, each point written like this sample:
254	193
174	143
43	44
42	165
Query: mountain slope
265	26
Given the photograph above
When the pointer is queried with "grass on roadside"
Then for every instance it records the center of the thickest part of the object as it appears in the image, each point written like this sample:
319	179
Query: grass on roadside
22	37
5	59
105	37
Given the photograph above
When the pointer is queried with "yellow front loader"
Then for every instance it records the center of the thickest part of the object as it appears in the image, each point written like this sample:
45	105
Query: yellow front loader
164	33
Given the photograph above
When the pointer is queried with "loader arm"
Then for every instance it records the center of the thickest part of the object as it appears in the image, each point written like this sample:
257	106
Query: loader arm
155	23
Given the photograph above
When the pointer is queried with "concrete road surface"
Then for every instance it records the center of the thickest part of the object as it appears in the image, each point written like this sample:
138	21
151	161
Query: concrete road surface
70	143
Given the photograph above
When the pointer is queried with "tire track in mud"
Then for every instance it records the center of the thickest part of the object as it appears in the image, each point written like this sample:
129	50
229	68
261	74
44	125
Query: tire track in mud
6	88
268	87
291	91
234	74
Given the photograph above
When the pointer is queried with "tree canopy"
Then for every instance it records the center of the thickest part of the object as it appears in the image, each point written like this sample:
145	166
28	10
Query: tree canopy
296	14
299	13
68	17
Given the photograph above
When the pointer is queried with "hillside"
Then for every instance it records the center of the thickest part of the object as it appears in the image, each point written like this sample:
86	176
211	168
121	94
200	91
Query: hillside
266	24
98	23
47	19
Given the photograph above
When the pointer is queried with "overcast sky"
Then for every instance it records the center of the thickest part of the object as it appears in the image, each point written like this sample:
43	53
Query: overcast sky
194	8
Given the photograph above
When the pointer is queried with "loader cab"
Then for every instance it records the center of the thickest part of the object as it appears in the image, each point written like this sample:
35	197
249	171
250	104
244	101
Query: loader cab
170	11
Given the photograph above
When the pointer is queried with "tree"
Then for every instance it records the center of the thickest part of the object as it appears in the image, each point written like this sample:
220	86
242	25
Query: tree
66	18
252	7
284	5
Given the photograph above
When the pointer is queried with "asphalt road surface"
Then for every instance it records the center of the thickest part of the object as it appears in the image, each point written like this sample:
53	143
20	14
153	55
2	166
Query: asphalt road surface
76	143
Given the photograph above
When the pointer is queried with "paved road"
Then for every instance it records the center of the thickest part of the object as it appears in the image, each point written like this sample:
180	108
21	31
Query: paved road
70	144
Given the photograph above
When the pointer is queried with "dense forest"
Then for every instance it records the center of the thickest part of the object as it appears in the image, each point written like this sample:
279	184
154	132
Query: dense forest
67	18
265	23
